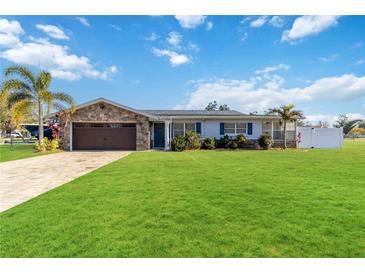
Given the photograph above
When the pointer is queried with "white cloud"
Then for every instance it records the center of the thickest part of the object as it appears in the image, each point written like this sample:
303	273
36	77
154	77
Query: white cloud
192	46
209	25
253	95
259	22
331	119
53	31
270	69
360	62
174	39
53	57
357	45
190	21
308	25
152	37
328	59
116	27
174	58
276	21
83	21
9	32
113	69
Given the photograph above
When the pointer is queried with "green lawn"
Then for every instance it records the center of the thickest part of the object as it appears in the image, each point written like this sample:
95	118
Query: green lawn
294	203
19	151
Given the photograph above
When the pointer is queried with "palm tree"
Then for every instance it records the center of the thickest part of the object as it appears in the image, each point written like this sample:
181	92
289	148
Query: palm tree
11	114
31	92
287	114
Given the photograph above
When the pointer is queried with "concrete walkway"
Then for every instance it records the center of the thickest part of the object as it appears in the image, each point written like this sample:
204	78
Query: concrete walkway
21	180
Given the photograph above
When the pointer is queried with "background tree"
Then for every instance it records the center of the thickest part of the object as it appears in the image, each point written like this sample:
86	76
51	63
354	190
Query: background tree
350	125
224	107
323	124
213	106
356	131
31	92
287	114
341	121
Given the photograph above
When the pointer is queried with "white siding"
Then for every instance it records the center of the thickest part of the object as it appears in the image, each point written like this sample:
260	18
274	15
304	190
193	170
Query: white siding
211	128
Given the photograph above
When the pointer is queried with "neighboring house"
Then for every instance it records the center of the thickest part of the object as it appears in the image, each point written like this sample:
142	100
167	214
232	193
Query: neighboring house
104	124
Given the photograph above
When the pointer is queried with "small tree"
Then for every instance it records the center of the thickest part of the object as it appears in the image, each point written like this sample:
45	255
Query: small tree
287	114
356	131
341	121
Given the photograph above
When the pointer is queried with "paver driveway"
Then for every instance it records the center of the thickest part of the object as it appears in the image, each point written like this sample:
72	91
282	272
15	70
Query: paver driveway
21	180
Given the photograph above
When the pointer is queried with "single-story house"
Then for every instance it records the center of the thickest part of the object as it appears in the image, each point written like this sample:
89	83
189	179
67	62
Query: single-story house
102	124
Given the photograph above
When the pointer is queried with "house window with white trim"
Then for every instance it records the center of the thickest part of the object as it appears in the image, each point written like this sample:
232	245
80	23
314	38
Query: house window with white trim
235	128
229	128
241	128
178	129
189	126
182	128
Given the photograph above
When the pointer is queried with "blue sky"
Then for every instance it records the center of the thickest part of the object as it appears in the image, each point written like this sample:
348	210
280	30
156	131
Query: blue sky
250	63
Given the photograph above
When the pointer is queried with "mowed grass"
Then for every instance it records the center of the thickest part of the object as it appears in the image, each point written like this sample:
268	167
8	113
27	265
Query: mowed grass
294	203
19	151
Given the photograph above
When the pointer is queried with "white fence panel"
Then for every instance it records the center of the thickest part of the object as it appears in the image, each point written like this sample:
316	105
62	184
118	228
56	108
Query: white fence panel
319	137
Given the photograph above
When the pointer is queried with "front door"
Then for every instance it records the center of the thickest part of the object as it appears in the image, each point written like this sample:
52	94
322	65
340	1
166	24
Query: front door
159	135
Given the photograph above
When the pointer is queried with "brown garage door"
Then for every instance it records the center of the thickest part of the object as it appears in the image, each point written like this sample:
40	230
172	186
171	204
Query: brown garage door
104	136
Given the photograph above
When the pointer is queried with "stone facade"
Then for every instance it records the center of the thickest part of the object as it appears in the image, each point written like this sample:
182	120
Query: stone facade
104	112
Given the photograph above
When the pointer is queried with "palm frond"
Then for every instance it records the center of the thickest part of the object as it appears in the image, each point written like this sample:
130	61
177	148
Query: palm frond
17	85
20	111
15	97
43	81
22	72
65	98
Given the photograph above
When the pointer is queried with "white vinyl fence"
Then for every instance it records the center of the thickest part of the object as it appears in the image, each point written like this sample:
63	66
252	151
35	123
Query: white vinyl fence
308	137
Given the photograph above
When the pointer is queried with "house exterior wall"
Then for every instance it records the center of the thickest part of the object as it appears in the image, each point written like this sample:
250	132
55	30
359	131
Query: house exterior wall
103	112
211	128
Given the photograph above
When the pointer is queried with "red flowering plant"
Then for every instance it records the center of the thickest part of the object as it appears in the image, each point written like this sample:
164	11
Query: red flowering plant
56	129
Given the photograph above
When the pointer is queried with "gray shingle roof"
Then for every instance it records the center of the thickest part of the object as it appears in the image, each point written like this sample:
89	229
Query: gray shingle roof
192	113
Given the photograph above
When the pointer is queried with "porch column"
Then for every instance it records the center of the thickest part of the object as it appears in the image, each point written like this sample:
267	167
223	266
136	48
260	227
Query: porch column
272	129
167	135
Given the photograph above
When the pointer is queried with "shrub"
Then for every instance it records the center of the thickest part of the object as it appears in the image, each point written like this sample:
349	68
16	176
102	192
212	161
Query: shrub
223	142
54	144
265	141
193	140
232	144
46	144
241	141
39	146
178	143
209	143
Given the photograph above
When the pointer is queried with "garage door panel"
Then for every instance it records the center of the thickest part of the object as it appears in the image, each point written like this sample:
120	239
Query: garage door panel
104	137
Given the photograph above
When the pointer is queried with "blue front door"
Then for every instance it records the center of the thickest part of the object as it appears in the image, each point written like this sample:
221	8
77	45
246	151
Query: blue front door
159	135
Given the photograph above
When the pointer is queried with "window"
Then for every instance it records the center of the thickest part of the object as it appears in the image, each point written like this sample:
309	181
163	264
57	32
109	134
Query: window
178	129
182	128
229	128
241	128
189	126
235	128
